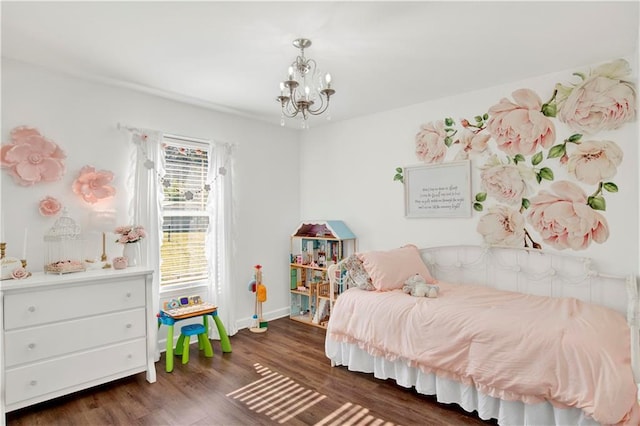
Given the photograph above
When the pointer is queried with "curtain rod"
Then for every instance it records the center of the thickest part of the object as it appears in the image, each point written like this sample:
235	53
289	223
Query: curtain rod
127	128
174	136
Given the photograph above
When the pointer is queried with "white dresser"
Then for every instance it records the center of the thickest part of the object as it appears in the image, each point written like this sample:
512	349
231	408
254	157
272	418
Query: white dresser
64	333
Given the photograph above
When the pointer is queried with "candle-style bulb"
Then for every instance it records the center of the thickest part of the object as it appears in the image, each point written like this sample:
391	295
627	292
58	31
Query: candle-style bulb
328	80
290	73
281	88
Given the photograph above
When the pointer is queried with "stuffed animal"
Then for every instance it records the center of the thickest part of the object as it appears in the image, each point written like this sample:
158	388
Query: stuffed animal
418	287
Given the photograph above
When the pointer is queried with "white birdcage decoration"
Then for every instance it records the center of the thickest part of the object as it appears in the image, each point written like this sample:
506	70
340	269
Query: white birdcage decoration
63	247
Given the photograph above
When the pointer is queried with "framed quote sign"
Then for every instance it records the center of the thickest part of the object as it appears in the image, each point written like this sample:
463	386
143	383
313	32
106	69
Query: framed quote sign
438	190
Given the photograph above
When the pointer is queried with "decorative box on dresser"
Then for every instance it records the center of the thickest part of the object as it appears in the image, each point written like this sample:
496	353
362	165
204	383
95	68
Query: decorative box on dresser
64	333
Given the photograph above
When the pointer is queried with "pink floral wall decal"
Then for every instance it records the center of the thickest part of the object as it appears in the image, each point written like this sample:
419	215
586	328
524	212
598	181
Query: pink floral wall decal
595	161
93	185
520	127
502	225
49	206
507	183
31	158
430	145
471	143
564	219
531	183
602	101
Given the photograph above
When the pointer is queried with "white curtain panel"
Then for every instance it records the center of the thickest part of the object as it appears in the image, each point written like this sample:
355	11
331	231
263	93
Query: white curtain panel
219	237
145	191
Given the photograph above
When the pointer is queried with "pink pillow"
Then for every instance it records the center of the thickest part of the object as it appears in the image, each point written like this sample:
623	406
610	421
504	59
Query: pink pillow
390	269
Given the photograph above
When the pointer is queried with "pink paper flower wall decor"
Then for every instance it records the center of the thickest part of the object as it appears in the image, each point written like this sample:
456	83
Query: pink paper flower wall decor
49	206
93	185
31	158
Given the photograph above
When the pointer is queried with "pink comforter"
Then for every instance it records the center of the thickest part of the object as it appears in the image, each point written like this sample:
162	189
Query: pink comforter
508	345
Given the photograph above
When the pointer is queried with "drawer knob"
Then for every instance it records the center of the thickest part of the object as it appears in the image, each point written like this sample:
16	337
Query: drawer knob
129	356
31	308
129	325
33	382
31	345
129	294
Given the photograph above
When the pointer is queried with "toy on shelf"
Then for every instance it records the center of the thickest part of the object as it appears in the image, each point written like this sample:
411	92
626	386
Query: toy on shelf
259	325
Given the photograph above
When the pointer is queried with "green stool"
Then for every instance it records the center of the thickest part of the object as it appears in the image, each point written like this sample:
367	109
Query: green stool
182	346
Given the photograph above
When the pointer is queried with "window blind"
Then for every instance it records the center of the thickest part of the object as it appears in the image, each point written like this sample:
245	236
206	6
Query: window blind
185	217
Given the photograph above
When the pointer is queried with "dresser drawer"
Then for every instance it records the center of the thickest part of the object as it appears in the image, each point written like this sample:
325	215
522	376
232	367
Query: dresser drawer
47	341
61	303
34	380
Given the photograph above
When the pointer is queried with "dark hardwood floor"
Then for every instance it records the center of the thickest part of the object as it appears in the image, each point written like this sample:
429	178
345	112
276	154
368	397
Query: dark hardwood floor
278	377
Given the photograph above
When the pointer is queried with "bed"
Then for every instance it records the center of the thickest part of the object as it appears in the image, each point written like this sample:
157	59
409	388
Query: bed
522	336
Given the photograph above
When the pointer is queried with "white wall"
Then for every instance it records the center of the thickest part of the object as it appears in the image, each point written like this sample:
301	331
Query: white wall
348	167
81	117
343	170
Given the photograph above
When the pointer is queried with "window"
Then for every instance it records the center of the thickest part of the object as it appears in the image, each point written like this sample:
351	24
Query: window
185	215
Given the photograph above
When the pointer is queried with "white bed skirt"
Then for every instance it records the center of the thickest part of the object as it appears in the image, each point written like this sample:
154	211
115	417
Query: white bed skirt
447	391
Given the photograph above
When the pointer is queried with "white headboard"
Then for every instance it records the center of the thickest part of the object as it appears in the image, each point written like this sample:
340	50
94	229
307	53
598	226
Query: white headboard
540	273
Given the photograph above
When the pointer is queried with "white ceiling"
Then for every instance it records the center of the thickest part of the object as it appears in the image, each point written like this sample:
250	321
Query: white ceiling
231	56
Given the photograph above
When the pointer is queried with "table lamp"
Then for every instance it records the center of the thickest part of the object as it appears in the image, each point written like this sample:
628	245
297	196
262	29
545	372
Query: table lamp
103	221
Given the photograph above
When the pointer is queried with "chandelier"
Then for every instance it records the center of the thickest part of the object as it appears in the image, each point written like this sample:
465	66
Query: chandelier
305	91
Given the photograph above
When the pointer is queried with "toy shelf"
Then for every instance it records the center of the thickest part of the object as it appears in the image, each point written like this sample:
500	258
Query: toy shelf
317	268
